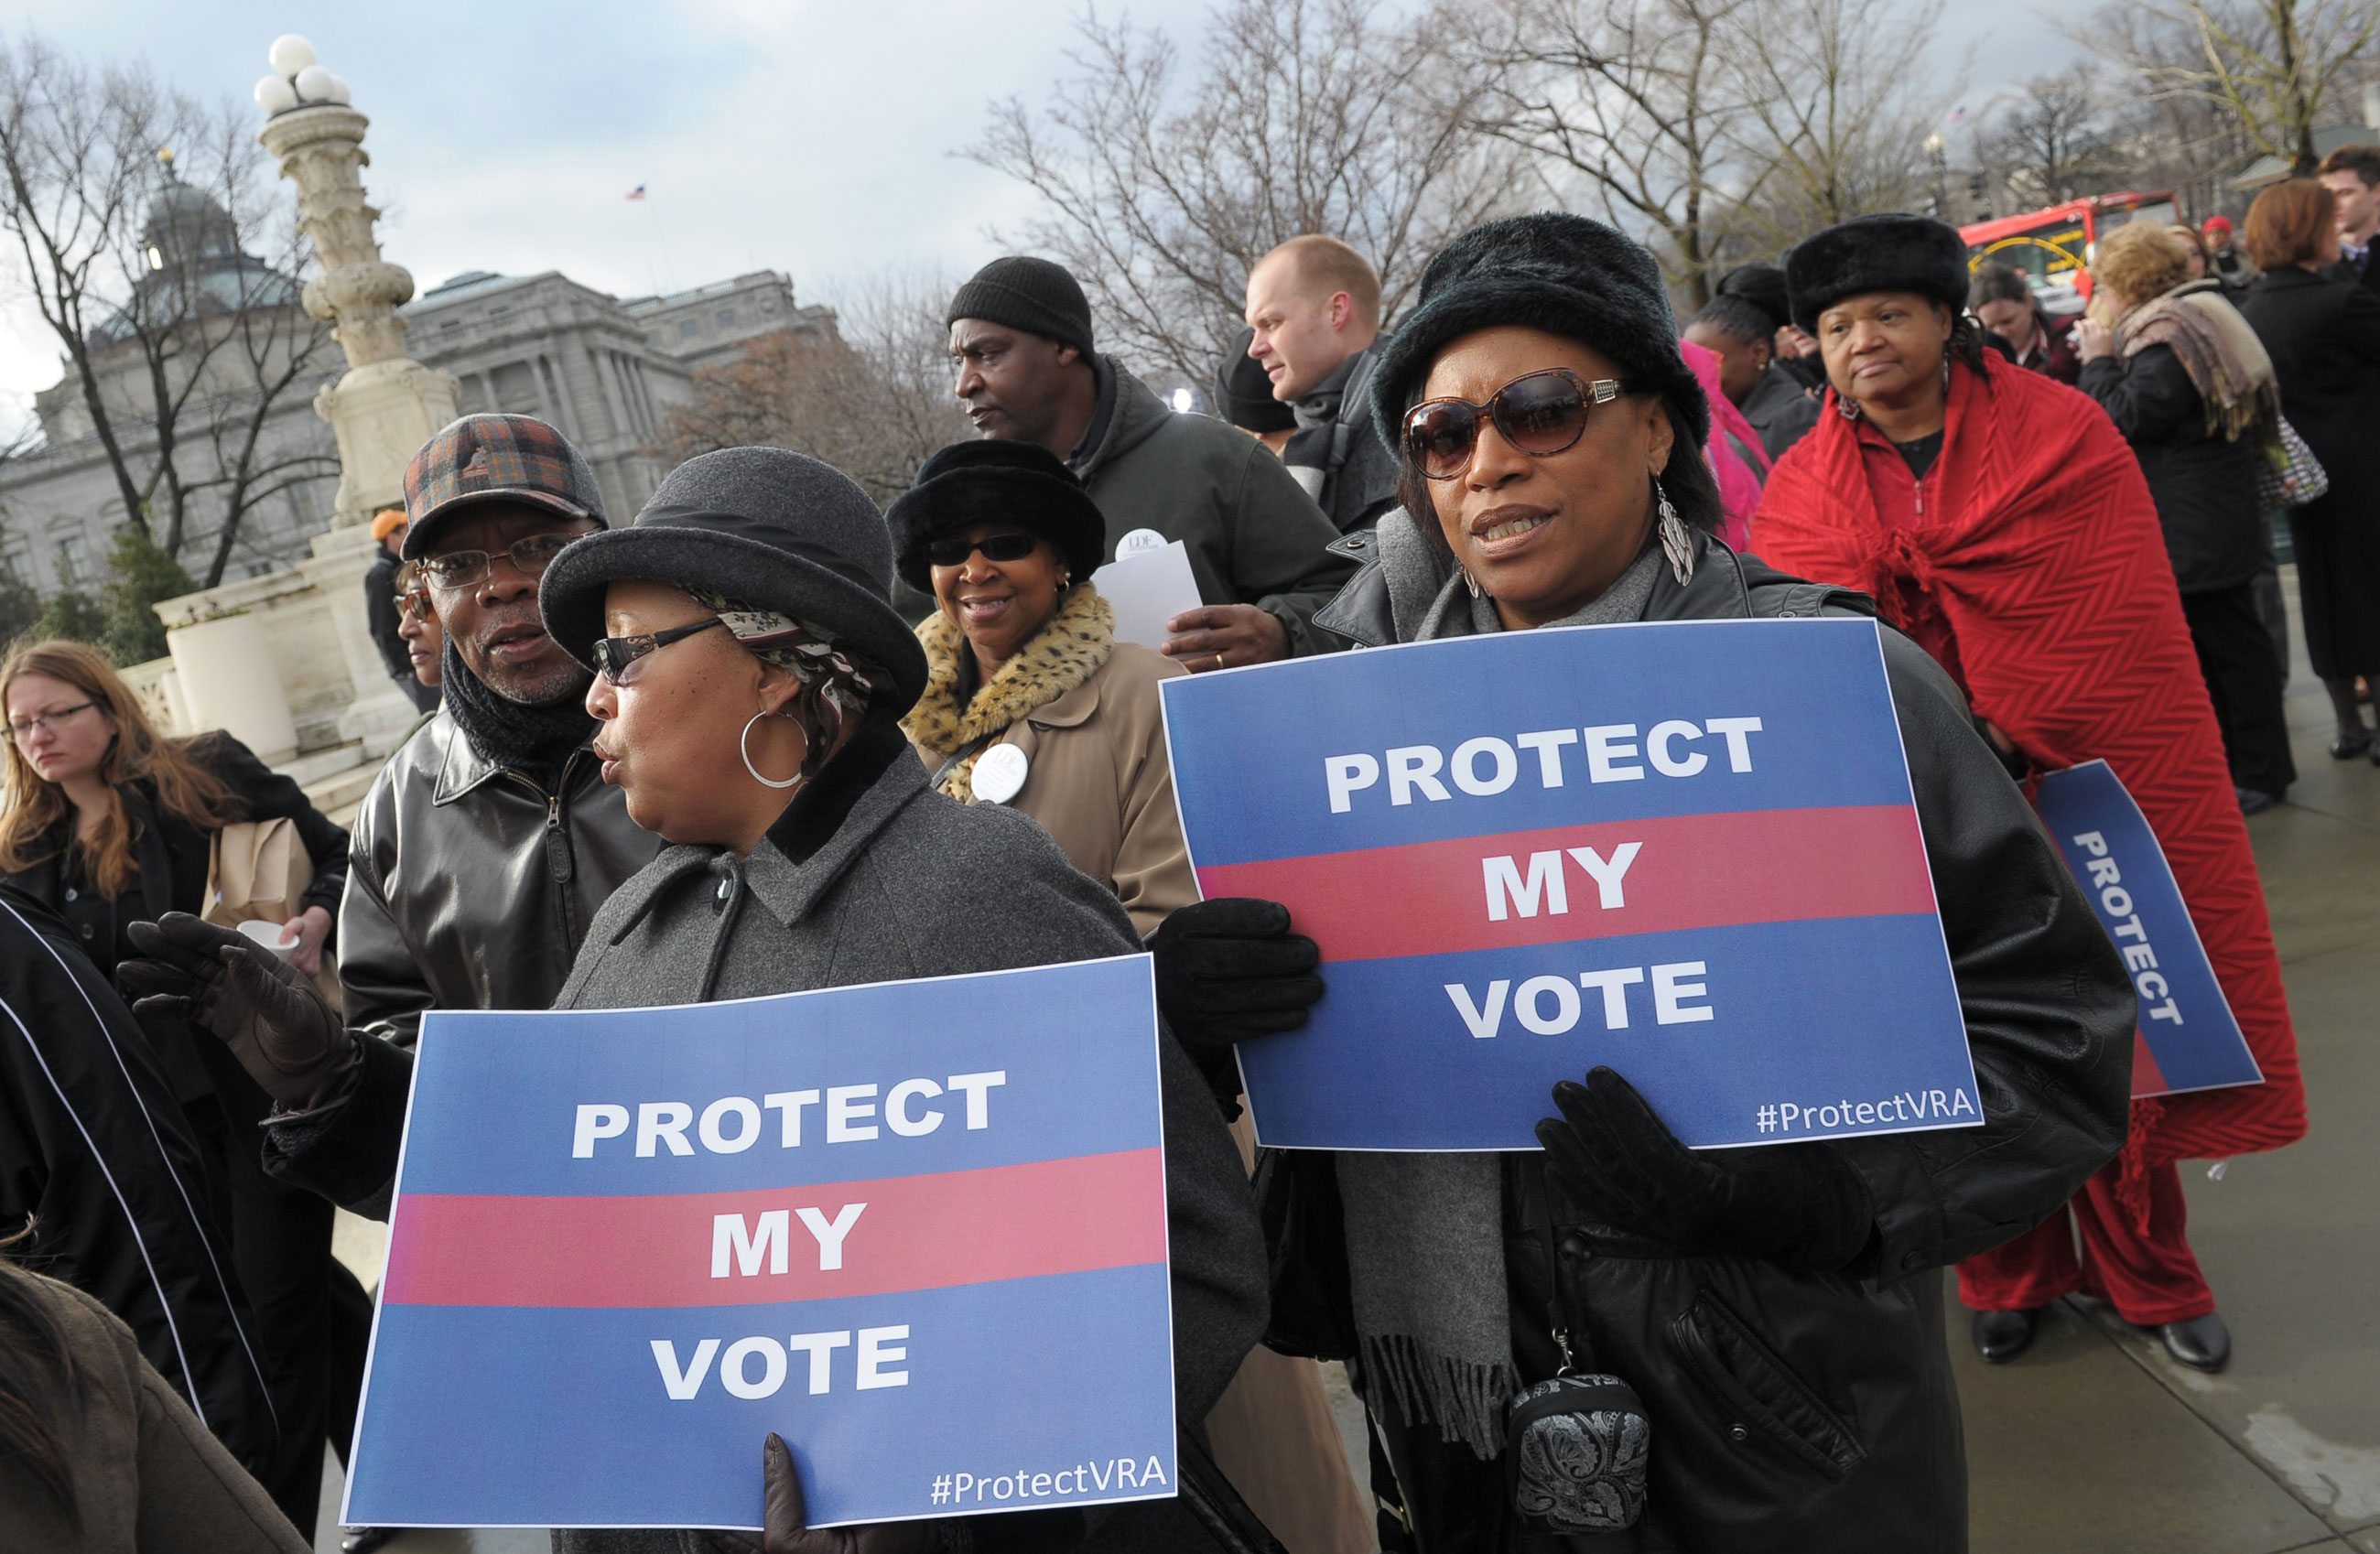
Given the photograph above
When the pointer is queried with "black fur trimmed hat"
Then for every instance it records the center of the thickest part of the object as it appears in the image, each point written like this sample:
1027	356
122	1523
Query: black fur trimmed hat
996	480
1555	272
1893	252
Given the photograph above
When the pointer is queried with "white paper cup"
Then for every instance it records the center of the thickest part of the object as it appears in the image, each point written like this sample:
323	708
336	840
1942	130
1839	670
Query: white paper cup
268	935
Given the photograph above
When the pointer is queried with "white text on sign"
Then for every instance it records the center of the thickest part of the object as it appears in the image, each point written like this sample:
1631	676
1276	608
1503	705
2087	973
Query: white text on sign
2116	905
1487	766
732	1123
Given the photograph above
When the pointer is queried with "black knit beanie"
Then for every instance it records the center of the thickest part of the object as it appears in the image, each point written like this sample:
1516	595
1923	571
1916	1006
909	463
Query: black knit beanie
1762	285
1867	254
1243	392
1029	294
1559	273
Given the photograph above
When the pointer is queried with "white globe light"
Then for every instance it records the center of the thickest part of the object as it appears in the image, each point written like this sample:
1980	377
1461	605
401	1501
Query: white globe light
275	95
314	84
339	94
1184	401
289	54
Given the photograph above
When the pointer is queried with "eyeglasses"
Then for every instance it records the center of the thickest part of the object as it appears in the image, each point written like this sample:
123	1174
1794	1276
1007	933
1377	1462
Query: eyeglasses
454	571
1539	413
414	603
21	729
951	550
616	657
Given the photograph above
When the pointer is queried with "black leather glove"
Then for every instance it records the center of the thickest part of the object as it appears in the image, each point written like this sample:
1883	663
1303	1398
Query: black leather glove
784	1520
1230	969
291	1042
1799	1206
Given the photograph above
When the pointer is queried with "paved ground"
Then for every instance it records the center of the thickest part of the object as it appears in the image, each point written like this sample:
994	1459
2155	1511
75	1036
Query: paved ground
2094	1442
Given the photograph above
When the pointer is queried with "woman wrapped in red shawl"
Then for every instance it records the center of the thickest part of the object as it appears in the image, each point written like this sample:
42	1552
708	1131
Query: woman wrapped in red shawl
1999	519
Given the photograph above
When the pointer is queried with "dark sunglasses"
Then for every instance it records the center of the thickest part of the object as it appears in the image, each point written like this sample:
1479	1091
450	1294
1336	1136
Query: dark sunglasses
1539	413
950	550
616	657
452	571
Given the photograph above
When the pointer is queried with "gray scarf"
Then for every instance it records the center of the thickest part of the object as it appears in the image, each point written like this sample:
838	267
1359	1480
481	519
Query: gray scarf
1425	1233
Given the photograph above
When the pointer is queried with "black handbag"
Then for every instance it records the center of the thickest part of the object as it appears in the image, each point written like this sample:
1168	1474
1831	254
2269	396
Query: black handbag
1306	1243
1576	1447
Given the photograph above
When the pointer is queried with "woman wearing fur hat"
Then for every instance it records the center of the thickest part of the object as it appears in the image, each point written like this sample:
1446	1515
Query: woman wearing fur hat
750	675
1031	702
2002	521
1779	1310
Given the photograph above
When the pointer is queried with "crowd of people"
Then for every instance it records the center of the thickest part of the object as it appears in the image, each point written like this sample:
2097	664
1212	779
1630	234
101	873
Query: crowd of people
760	737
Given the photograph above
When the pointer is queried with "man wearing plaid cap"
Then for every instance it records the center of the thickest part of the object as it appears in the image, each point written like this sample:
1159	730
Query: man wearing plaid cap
489	840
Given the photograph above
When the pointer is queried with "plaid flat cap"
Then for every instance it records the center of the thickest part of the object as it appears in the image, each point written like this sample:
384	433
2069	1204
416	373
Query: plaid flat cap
493	458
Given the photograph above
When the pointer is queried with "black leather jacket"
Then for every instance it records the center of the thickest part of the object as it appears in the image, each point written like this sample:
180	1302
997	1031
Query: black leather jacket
1817	1413
470	885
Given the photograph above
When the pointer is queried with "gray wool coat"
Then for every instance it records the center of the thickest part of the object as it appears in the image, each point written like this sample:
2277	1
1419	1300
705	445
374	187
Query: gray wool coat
871	876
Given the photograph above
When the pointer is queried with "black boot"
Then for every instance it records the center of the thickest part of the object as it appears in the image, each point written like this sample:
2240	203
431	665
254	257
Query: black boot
2001	1336
2200	1342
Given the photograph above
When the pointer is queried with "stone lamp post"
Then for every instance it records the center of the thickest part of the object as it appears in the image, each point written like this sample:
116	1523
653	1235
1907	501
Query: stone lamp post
387	405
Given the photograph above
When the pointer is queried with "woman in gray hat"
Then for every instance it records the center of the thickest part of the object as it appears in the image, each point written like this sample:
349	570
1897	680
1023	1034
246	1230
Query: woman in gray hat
750	676
1778	1310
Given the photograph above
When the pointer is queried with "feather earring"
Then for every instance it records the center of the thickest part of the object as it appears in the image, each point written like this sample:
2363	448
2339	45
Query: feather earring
1676	544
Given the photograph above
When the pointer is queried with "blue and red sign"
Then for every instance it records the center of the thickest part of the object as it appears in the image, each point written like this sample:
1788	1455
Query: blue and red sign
2187	1038
917	1229
1687	851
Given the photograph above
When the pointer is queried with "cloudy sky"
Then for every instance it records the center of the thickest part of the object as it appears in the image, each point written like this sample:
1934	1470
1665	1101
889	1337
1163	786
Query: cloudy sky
815	137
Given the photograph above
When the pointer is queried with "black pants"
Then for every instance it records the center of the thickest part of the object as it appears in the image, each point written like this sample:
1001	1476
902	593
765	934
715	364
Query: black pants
313	1320
2244	677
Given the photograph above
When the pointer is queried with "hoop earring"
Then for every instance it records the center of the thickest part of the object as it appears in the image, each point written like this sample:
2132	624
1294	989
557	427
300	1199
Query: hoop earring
1469	581
1676	544
742	748
1846	407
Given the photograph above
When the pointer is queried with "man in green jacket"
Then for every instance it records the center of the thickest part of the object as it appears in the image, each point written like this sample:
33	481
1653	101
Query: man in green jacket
1021	340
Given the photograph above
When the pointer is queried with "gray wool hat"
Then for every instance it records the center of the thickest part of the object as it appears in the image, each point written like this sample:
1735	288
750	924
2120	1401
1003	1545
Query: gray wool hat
1562	273
771	527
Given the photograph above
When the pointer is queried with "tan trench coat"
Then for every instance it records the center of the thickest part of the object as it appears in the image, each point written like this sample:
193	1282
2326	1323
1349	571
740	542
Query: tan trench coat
1099	780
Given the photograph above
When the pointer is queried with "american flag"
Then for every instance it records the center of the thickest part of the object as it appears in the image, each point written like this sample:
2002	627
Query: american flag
638	192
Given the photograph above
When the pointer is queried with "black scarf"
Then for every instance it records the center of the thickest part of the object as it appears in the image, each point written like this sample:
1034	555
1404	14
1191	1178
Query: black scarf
533	741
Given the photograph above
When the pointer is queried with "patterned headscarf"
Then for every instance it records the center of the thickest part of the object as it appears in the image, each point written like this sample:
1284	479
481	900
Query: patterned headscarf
836	681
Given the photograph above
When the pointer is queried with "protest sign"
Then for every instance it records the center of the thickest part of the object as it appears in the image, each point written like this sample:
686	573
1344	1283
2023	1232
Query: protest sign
1687	851
917	1229
2187	1038
1147	588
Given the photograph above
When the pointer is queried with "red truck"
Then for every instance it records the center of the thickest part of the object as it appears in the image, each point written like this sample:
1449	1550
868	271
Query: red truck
2054	245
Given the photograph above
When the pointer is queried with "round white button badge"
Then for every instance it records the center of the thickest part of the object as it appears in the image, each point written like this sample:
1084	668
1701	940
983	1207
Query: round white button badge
999	775
1138	541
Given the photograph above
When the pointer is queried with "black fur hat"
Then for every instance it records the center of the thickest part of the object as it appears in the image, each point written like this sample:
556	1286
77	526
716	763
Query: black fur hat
1559	273
996	480
1875	253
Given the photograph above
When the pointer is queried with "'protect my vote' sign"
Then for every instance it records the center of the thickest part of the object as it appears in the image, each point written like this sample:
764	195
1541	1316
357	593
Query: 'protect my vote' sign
916	1228
1687	851
2187	1038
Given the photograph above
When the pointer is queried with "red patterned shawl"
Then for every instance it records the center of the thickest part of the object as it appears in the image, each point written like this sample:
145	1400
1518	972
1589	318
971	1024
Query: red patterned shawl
2041	568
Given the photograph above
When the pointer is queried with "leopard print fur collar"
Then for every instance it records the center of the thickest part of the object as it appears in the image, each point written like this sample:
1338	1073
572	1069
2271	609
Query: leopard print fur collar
1059	658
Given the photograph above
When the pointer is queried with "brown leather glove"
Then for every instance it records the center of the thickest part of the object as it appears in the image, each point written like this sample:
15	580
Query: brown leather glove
290	1041
784	1521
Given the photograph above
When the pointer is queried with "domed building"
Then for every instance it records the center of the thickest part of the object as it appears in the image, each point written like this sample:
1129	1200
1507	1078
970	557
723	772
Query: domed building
231	333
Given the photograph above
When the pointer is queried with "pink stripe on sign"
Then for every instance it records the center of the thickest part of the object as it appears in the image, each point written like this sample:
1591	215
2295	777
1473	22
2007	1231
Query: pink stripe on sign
915	1232
1689	872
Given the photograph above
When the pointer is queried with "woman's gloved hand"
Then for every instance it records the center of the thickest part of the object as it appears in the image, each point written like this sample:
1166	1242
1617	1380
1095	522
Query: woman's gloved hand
1230	969
784	1520
290	1041
1799	1206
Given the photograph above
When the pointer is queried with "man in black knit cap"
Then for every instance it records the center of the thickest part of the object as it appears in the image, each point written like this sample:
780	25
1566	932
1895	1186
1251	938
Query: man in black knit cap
1021	342
489	840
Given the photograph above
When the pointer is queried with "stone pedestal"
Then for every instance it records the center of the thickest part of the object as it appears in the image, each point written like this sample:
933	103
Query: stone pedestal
379	711
232	683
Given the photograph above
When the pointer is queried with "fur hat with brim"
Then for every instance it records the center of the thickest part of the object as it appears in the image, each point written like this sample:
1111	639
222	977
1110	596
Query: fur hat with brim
769	528
1562	273
1875	253
997	481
